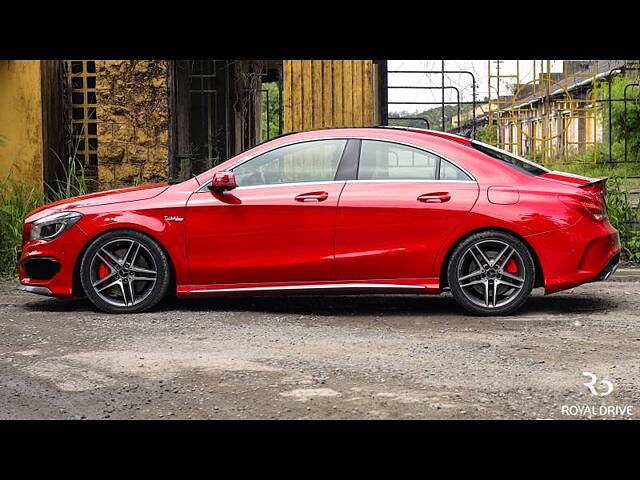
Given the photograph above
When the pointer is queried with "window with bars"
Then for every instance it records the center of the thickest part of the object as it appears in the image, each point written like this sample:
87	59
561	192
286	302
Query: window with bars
81	85
204	133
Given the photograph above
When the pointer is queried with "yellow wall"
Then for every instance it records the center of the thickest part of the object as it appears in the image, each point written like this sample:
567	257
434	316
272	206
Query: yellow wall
327	93
21	121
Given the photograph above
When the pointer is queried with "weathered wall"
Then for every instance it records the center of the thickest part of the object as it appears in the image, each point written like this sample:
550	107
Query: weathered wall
21	151
327	93
132	117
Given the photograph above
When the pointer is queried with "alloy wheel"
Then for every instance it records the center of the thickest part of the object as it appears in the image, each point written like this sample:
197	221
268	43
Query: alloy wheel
123	272
491	273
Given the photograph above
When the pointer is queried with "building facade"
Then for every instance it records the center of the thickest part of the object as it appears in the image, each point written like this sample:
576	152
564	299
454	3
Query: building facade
556	115
130	122
31	120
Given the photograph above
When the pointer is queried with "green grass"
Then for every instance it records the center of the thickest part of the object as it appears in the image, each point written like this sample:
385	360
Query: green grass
74	181
17	201
591	169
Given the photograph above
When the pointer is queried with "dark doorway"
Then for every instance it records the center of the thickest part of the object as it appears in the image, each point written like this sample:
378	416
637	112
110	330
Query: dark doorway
199	116
219	108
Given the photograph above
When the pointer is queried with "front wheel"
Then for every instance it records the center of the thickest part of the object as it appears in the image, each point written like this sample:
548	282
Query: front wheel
124	271
491	273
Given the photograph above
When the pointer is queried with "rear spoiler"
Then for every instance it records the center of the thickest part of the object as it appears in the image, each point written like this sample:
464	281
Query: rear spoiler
594	182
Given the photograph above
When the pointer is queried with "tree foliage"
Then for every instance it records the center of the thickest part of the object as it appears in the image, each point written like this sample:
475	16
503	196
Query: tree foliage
488	134
271	129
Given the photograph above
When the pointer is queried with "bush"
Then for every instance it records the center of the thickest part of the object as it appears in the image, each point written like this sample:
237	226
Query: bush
487	134
624	214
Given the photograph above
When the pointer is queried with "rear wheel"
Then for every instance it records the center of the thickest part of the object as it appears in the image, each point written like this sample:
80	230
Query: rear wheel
491	273
124	271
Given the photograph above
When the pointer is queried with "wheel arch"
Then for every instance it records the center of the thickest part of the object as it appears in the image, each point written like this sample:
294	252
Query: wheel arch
77	284
444	280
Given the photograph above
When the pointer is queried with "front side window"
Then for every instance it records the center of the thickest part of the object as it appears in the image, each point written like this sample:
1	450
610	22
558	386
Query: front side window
315	161
380	160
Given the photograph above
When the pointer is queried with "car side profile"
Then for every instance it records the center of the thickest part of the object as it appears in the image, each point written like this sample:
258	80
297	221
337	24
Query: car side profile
352	210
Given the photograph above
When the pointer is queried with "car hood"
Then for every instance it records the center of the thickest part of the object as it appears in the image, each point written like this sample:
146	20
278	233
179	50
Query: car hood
130	194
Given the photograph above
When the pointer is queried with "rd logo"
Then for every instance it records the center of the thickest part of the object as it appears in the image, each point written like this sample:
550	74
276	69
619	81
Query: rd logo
591	385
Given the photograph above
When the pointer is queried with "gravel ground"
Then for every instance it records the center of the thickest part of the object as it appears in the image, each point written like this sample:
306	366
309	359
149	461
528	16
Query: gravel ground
370	356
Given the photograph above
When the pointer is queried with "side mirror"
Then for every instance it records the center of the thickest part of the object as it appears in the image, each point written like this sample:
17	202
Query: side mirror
223	181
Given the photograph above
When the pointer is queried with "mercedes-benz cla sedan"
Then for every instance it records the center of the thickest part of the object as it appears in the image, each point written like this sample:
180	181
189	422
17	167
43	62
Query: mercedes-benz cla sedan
357	210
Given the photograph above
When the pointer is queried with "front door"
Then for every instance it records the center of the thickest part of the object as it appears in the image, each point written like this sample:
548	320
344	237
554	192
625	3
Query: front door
393	219
278	225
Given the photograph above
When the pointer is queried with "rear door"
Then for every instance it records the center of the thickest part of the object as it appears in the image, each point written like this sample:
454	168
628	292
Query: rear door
394	217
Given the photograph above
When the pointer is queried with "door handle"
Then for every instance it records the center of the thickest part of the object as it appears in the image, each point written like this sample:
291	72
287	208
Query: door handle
312	197
435	197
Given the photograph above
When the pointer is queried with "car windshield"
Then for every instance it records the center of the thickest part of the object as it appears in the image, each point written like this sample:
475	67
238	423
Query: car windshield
516	162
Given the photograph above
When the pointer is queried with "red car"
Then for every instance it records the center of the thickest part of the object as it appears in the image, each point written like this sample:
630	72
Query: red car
354	210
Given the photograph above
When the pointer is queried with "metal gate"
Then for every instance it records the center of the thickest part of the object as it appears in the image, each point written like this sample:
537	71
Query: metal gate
437	81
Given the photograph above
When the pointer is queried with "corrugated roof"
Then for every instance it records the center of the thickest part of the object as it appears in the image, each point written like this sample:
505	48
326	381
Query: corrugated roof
579	74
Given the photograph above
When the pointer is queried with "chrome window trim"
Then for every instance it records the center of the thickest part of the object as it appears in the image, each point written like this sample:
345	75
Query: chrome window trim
322	286
204	186
289	184
410	181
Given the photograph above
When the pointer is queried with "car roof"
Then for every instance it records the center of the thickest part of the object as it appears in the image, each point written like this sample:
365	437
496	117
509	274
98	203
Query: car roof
349	130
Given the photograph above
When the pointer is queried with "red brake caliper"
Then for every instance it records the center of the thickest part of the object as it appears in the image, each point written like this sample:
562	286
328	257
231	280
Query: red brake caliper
511	267
103	270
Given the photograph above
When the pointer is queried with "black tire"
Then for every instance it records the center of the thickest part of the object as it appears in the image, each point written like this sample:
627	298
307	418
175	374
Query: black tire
143	283
489	288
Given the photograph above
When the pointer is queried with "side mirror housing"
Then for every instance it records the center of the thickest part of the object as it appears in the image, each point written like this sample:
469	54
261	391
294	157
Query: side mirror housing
223	181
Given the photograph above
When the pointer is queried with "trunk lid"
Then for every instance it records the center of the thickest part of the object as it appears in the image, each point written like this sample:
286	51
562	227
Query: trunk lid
589	195
587	184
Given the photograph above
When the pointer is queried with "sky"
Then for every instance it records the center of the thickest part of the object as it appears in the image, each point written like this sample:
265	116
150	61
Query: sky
462	81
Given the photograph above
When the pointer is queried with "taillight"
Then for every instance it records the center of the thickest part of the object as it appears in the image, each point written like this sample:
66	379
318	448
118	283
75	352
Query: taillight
589	204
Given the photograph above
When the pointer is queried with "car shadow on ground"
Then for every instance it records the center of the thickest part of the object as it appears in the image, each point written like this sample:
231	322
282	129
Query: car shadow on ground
343	305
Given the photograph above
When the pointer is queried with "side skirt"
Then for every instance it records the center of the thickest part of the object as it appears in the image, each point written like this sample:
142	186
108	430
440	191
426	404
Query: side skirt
413	285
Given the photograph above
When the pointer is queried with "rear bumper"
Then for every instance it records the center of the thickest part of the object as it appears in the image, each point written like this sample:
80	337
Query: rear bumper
584	252
610	269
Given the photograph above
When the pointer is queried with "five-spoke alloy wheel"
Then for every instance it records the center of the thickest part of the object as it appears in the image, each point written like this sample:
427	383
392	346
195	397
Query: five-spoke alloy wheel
124	271
491	273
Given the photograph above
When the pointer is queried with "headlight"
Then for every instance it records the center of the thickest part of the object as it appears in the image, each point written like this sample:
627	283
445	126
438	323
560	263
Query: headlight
52	226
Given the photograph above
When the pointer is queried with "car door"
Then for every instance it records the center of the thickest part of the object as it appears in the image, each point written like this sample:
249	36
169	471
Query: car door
397	213
278	225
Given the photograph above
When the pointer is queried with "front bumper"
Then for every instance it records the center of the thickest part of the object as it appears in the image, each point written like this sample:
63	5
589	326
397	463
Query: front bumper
36	289
48	267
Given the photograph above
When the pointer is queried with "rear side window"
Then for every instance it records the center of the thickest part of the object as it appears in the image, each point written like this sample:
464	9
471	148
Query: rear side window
380	160
448	171
518	163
